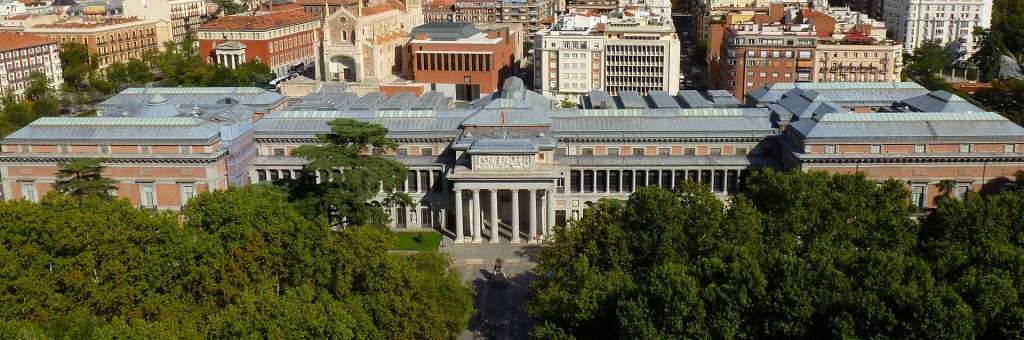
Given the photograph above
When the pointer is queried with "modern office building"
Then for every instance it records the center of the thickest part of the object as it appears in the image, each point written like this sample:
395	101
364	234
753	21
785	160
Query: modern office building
585	52
20	55
912	22
461	61
513	166
283	40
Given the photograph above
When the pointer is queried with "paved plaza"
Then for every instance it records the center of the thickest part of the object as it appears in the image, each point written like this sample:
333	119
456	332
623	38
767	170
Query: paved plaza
499	304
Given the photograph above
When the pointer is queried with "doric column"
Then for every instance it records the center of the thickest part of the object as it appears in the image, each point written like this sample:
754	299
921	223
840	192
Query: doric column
533	215
515	216
494	216
725	182
738	180
551	211
712	174
459	232
477	219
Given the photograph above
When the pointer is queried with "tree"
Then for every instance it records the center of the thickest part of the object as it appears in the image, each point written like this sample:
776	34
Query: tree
138	71
700	53
929	58
76	64
798	255
945	187
38	86
238	263
1005	96
346	199
566	104
989	54
84	178
18	114
46	107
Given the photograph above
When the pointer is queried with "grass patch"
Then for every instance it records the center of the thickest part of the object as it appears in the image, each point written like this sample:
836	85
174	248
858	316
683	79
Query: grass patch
417	240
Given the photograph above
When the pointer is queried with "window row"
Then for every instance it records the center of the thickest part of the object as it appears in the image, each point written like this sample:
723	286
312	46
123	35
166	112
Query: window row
453	62
627	181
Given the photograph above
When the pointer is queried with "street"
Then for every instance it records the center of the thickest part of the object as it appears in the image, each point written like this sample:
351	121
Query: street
499	303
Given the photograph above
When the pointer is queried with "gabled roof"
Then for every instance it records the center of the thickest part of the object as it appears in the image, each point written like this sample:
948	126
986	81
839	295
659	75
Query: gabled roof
939	101
116	130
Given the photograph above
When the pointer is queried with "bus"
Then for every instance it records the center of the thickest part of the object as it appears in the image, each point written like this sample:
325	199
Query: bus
277	81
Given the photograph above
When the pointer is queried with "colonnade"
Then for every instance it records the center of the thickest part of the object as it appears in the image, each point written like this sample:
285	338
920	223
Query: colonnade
626	181
476	214
230	59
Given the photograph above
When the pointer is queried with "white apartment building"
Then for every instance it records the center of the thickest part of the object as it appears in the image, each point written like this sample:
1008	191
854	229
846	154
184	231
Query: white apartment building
569	57
949	23
183	15
20	55
584	52
11	8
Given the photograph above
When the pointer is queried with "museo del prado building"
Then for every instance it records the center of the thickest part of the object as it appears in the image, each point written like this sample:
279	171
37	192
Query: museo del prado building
512	166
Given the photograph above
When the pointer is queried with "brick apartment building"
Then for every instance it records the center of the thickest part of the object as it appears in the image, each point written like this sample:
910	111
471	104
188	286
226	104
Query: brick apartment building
20	55
113	40
460	60
281	39
782	45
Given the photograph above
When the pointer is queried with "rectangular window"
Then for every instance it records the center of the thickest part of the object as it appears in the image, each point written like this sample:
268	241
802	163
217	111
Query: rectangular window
830	149
148	195
962	190
920	148
186	149
1010	148
876	149
966	147
63	148
188	191
144	149
638	151
26	148
28	191
104	149
278	151
690	151
740	151
715	151
426	151
917	195
588	151
663	151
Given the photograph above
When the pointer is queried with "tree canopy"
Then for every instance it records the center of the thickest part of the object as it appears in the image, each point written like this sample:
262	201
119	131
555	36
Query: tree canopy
1005	96
243	264
929	58
352	175
84	178
800	255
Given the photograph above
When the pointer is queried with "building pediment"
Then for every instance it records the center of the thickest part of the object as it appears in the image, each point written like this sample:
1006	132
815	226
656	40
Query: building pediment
230	45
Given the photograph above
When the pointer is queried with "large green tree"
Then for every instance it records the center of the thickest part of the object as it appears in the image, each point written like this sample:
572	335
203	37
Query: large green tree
989	54
929	58
345	199
1005	96
83	177
77	65
238	263
798	255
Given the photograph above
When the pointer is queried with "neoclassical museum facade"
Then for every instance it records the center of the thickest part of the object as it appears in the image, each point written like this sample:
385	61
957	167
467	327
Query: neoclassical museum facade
512	166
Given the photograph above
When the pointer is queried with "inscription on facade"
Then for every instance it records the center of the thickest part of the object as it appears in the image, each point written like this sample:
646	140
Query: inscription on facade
518	162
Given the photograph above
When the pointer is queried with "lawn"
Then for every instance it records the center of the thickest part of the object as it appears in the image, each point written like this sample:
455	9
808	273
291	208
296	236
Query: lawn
407	240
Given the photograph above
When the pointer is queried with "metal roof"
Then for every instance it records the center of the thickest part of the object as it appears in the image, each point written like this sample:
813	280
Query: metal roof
632	100
693	99
599	100
116	130
910	117
662	100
